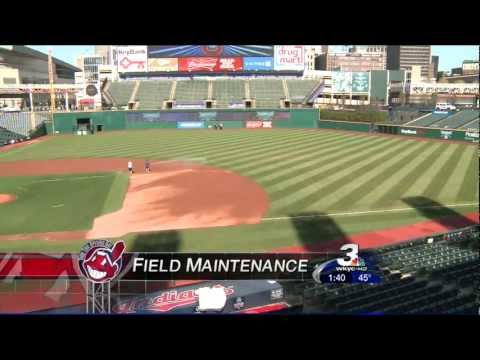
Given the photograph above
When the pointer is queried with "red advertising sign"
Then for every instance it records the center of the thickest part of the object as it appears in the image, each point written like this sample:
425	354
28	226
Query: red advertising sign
197	64
210	64
229	64
254	124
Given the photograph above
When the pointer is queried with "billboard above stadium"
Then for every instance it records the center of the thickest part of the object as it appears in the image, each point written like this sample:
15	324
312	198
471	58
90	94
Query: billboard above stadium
210	64
258	63
132	59
289	57
182	51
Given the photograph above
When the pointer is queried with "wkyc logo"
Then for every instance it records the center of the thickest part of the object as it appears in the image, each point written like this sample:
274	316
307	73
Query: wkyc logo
100	260
351	258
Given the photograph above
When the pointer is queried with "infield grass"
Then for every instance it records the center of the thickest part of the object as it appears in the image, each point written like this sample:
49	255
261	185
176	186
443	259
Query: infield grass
59	203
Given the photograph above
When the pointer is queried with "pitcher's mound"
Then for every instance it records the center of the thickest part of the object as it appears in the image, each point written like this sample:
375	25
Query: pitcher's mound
6	198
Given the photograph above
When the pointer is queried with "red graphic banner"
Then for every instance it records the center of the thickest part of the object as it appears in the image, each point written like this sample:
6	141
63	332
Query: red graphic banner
229	64
258	124
197	64
39	266
202	64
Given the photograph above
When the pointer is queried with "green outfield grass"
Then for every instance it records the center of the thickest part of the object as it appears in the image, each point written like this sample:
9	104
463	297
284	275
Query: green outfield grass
59	203
301	170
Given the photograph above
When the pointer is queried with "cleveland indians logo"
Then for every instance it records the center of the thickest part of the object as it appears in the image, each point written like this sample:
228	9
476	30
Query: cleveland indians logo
100	261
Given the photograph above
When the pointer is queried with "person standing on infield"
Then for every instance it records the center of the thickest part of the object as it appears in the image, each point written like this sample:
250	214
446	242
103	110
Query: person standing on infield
130	167
147	166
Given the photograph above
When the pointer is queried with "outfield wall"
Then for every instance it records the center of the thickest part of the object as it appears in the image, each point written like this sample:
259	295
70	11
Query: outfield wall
67	123
424	132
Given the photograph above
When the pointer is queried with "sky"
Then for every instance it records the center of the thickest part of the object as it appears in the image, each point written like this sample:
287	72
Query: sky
450	55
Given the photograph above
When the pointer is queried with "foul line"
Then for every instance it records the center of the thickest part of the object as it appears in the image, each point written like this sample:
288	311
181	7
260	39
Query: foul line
355	213
73	178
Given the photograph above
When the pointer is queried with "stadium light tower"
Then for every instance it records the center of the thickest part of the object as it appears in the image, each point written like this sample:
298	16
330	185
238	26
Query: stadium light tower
52	92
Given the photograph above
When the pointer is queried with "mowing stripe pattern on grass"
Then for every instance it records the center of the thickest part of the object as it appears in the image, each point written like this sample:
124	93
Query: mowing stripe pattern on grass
301	170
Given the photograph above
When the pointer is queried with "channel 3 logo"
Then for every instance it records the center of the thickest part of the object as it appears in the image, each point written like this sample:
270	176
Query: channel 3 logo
351	255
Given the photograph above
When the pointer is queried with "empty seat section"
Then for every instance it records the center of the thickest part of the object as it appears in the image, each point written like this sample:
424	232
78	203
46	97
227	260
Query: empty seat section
226	92
267	92
428	120
456	120
300	89
191	90
152	94
121	92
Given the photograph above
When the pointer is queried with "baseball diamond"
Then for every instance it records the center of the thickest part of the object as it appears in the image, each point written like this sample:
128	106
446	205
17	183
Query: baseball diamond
255	190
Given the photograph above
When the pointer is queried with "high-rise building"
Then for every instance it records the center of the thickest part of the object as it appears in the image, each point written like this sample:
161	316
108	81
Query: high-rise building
435	60
311	53
104	51
89	65
470	67
403	57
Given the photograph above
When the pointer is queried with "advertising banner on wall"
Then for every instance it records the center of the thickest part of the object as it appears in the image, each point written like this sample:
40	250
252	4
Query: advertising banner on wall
202	64
342	82
179	51
163	64
258	124
229	64
190	124
258	63
197	64
289	57
360	82
439	88
132	58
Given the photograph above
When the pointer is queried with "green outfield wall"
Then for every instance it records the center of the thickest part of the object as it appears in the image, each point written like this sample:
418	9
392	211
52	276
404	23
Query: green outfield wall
423	132
71	122
344	125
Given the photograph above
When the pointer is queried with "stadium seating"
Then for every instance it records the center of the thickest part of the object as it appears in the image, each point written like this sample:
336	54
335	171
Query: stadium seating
226	92
300	89
471	125
428	120
152	94
7	135
121	91
16	122
191	90
417	278
267	92
457	120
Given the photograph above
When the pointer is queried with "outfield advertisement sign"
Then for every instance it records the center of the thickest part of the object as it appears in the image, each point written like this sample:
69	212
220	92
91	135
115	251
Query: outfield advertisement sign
258	124
289	57
446	135
408	131
190	124
471	136
258	63
132	59
342	82
360	82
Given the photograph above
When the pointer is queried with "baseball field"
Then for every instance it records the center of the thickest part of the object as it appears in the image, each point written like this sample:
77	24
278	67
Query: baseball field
233	190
